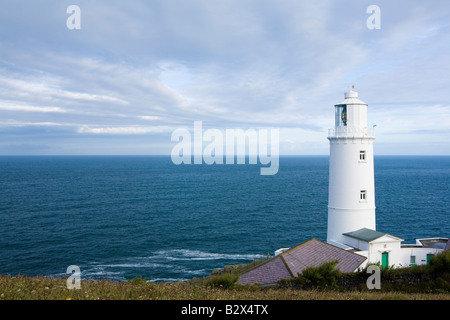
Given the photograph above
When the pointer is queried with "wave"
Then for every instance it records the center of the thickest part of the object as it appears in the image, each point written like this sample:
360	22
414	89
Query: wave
131	265
171	265
186	254
167	280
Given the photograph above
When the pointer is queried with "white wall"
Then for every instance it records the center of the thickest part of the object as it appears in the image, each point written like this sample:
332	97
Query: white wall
419	252
357	115
398	256
355	243
348	176
384	244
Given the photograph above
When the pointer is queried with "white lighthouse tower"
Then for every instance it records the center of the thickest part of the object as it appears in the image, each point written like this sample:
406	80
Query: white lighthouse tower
351	198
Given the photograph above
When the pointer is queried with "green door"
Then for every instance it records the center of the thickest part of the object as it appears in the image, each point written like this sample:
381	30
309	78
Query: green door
385	259
429	256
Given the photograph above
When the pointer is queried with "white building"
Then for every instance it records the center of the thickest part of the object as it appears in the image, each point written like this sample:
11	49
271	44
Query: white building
351	196
351	200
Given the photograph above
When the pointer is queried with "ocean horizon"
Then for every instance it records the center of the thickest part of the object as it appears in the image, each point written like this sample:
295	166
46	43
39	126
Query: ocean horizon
121	217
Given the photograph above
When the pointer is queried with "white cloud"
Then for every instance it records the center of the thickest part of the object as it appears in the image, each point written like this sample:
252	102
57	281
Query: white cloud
141	68
123	130
14	123
26	108
48	88
89	97
149	118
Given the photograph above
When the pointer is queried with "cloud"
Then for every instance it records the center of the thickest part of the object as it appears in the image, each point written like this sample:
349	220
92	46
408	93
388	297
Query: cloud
139	68
89	97
26	108
149	117
13	123
124	130
48	89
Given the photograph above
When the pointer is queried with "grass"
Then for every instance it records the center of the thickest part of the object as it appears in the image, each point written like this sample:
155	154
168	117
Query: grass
428	282
45	288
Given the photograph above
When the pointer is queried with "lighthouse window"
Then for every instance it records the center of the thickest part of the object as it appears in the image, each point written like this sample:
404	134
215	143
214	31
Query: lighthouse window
362	155
362	195
341	115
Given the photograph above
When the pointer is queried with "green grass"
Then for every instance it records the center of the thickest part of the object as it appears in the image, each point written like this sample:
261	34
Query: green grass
429	282
44	288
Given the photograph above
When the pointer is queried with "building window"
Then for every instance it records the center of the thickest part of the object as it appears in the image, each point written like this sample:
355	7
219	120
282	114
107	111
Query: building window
362	195
362	155
412	260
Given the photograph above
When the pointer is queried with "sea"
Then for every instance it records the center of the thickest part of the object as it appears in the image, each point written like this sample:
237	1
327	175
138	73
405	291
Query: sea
122	217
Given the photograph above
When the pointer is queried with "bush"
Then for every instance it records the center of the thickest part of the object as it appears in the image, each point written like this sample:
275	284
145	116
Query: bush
138	280
225	281
440	263
431	278
324	276
440	268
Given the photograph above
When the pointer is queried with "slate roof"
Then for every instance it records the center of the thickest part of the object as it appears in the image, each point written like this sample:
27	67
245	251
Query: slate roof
312	253
365	234
436	243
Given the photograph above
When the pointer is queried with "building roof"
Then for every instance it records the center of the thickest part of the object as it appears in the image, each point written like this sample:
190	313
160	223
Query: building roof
312	253
436	243
365	234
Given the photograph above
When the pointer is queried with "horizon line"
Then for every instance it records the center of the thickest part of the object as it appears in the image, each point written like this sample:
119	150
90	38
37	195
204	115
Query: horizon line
168	155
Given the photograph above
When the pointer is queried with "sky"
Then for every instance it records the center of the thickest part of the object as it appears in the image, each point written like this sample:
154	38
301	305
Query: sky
138	70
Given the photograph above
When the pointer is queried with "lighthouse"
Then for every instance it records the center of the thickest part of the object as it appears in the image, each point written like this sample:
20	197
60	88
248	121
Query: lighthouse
351	194
352	239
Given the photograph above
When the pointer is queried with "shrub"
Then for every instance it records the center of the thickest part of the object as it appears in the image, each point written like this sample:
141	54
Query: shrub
440	263
225	280
324	276
138	280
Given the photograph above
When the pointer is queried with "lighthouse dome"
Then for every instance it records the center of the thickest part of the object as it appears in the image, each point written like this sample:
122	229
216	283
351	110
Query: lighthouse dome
351	97
351	94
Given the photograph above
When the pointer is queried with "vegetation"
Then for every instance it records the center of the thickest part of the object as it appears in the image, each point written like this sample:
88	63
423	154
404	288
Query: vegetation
432	278
44	288
225	281
324	276
428	282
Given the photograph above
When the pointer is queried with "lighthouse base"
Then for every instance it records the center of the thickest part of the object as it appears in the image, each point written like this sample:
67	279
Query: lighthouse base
344	220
